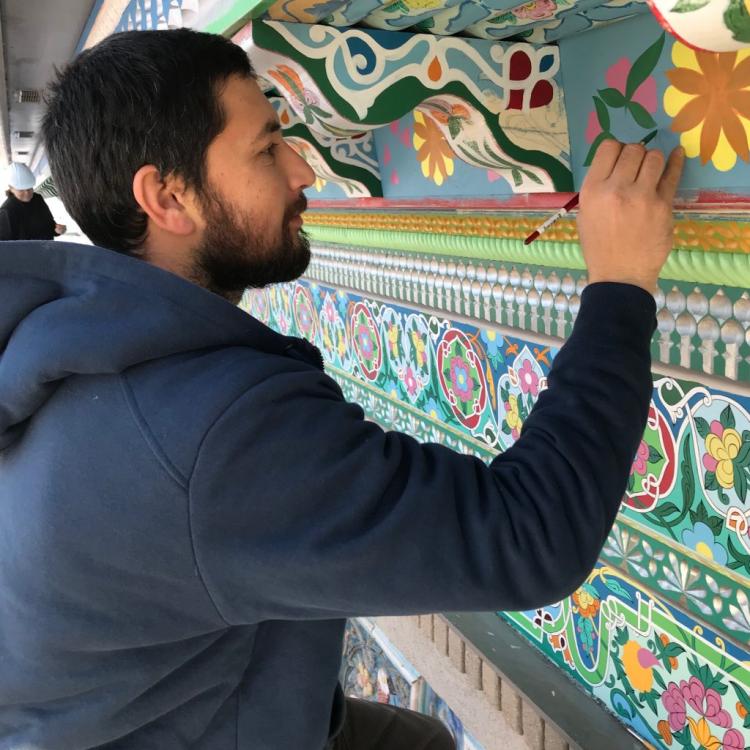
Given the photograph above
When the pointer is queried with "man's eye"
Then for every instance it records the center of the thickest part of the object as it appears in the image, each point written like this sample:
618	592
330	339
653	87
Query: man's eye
270	150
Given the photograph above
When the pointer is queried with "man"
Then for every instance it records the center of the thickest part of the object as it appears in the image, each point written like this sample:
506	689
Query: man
25	215
188	507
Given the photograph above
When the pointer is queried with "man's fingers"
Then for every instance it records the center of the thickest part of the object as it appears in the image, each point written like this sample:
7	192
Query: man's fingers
629	164
670	180
652	170
604	160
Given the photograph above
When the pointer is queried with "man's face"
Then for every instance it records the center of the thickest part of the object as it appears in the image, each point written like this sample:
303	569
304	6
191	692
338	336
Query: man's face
23	195
252	201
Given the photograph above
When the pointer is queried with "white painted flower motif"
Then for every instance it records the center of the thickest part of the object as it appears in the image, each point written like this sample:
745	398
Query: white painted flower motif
682	579
740	616
622	545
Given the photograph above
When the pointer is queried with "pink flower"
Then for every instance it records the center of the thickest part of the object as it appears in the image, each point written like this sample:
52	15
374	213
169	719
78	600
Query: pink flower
529	379
411	382
717	428
535	10
706	702
733	740
645	94
594	128
710	462
641	457
673	700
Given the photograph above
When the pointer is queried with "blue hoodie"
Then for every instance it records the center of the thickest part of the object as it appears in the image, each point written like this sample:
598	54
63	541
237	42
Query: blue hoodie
189	508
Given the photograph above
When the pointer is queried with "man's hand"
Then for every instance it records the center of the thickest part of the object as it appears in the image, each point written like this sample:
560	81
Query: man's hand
60	229
625	222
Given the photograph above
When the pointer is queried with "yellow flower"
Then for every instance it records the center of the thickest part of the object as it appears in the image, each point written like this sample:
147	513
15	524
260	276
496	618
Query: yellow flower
342	345
724	450
640	674
393	339
702	733
512	417
709	100
433	151
418	347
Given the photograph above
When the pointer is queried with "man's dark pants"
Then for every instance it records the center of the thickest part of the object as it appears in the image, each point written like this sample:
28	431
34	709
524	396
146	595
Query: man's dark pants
375	726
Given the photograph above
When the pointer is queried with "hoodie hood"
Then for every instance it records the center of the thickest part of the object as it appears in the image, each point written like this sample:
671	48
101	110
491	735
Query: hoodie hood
69	309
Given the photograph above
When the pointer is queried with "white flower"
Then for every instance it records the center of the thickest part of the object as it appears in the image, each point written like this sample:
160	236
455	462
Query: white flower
740	616
681	578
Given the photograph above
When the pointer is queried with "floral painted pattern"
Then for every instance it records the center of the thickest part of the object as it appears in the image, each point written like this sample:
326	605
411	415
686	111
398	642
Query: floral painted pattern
671	680
709	101
433	152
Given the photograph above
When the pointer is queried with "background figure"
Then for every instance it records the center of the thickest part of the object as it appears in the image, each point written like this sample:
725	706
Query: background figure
25	215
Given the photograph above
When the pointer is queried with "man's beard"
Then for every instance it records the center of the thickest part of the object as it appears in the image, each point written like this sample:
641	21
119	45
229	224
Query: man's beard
232	256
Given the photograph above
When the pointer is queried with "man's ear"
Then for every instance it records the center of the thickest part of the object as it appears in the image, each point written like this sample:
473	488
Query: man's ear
164	201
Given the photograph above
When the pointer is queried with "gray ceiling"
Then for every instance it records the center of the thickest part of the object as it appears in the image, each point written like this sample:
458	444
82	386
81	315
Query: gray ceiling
37	35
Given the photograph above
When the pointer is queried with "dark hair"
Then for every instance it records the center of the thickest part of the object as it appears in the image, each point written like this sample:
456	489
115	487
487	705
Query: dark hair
139	97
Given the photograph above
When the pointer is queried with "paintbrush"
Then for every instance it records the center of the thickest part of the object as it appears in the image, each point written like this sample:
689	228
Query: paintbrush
571	204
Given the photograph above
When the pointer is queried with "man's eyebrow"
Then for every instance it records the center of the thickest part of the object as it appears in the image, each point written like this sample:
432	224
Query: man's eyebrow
271	127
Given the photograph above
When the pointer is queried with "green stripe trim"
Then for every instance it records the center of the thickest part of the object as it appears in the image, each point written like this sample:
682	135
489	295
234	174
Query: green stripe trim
731	269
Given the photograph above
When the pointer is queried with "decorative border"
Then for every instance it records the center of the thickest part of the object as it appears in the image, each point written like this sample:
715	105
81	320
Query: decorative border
682	265
710	234
701	330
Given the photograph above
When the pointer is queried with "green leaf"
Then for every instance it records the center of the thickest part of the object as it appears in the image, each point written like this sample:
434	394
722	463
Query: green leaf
742	695
737	20
653	455
517	179
699	514
602	113
641	115
613	98
723	497
743	457
659	680
740	482
506	430
702	426
673	649
631	483
715	524
727	417
603	136
616	587
643	67
666	509
454	126
622	636
710	482
686	6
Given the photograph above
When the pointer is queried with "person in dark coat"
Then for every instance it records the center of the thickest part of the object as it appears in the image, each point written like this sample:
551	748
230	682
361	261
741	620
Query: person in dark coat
25	215
189	508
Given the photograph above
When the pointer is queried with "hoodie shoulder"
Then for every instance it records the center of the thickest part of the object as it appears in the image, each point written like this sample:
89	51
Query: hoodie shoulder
177	399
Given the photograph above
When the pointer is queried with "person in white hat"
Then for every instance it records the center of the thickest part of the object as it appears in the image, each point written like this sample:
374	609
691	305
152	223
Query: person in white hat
25	215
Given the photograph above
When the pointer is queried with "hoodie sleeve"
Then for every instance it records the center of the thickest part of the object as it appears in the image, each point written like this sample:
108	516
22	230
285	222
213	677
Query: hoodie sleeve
301	509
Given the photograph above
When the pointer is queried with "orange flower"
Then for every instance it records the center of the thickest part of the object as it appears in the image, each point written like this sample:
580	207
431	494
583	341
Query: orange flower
586	604
664	731
741	710
433	151
709	100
